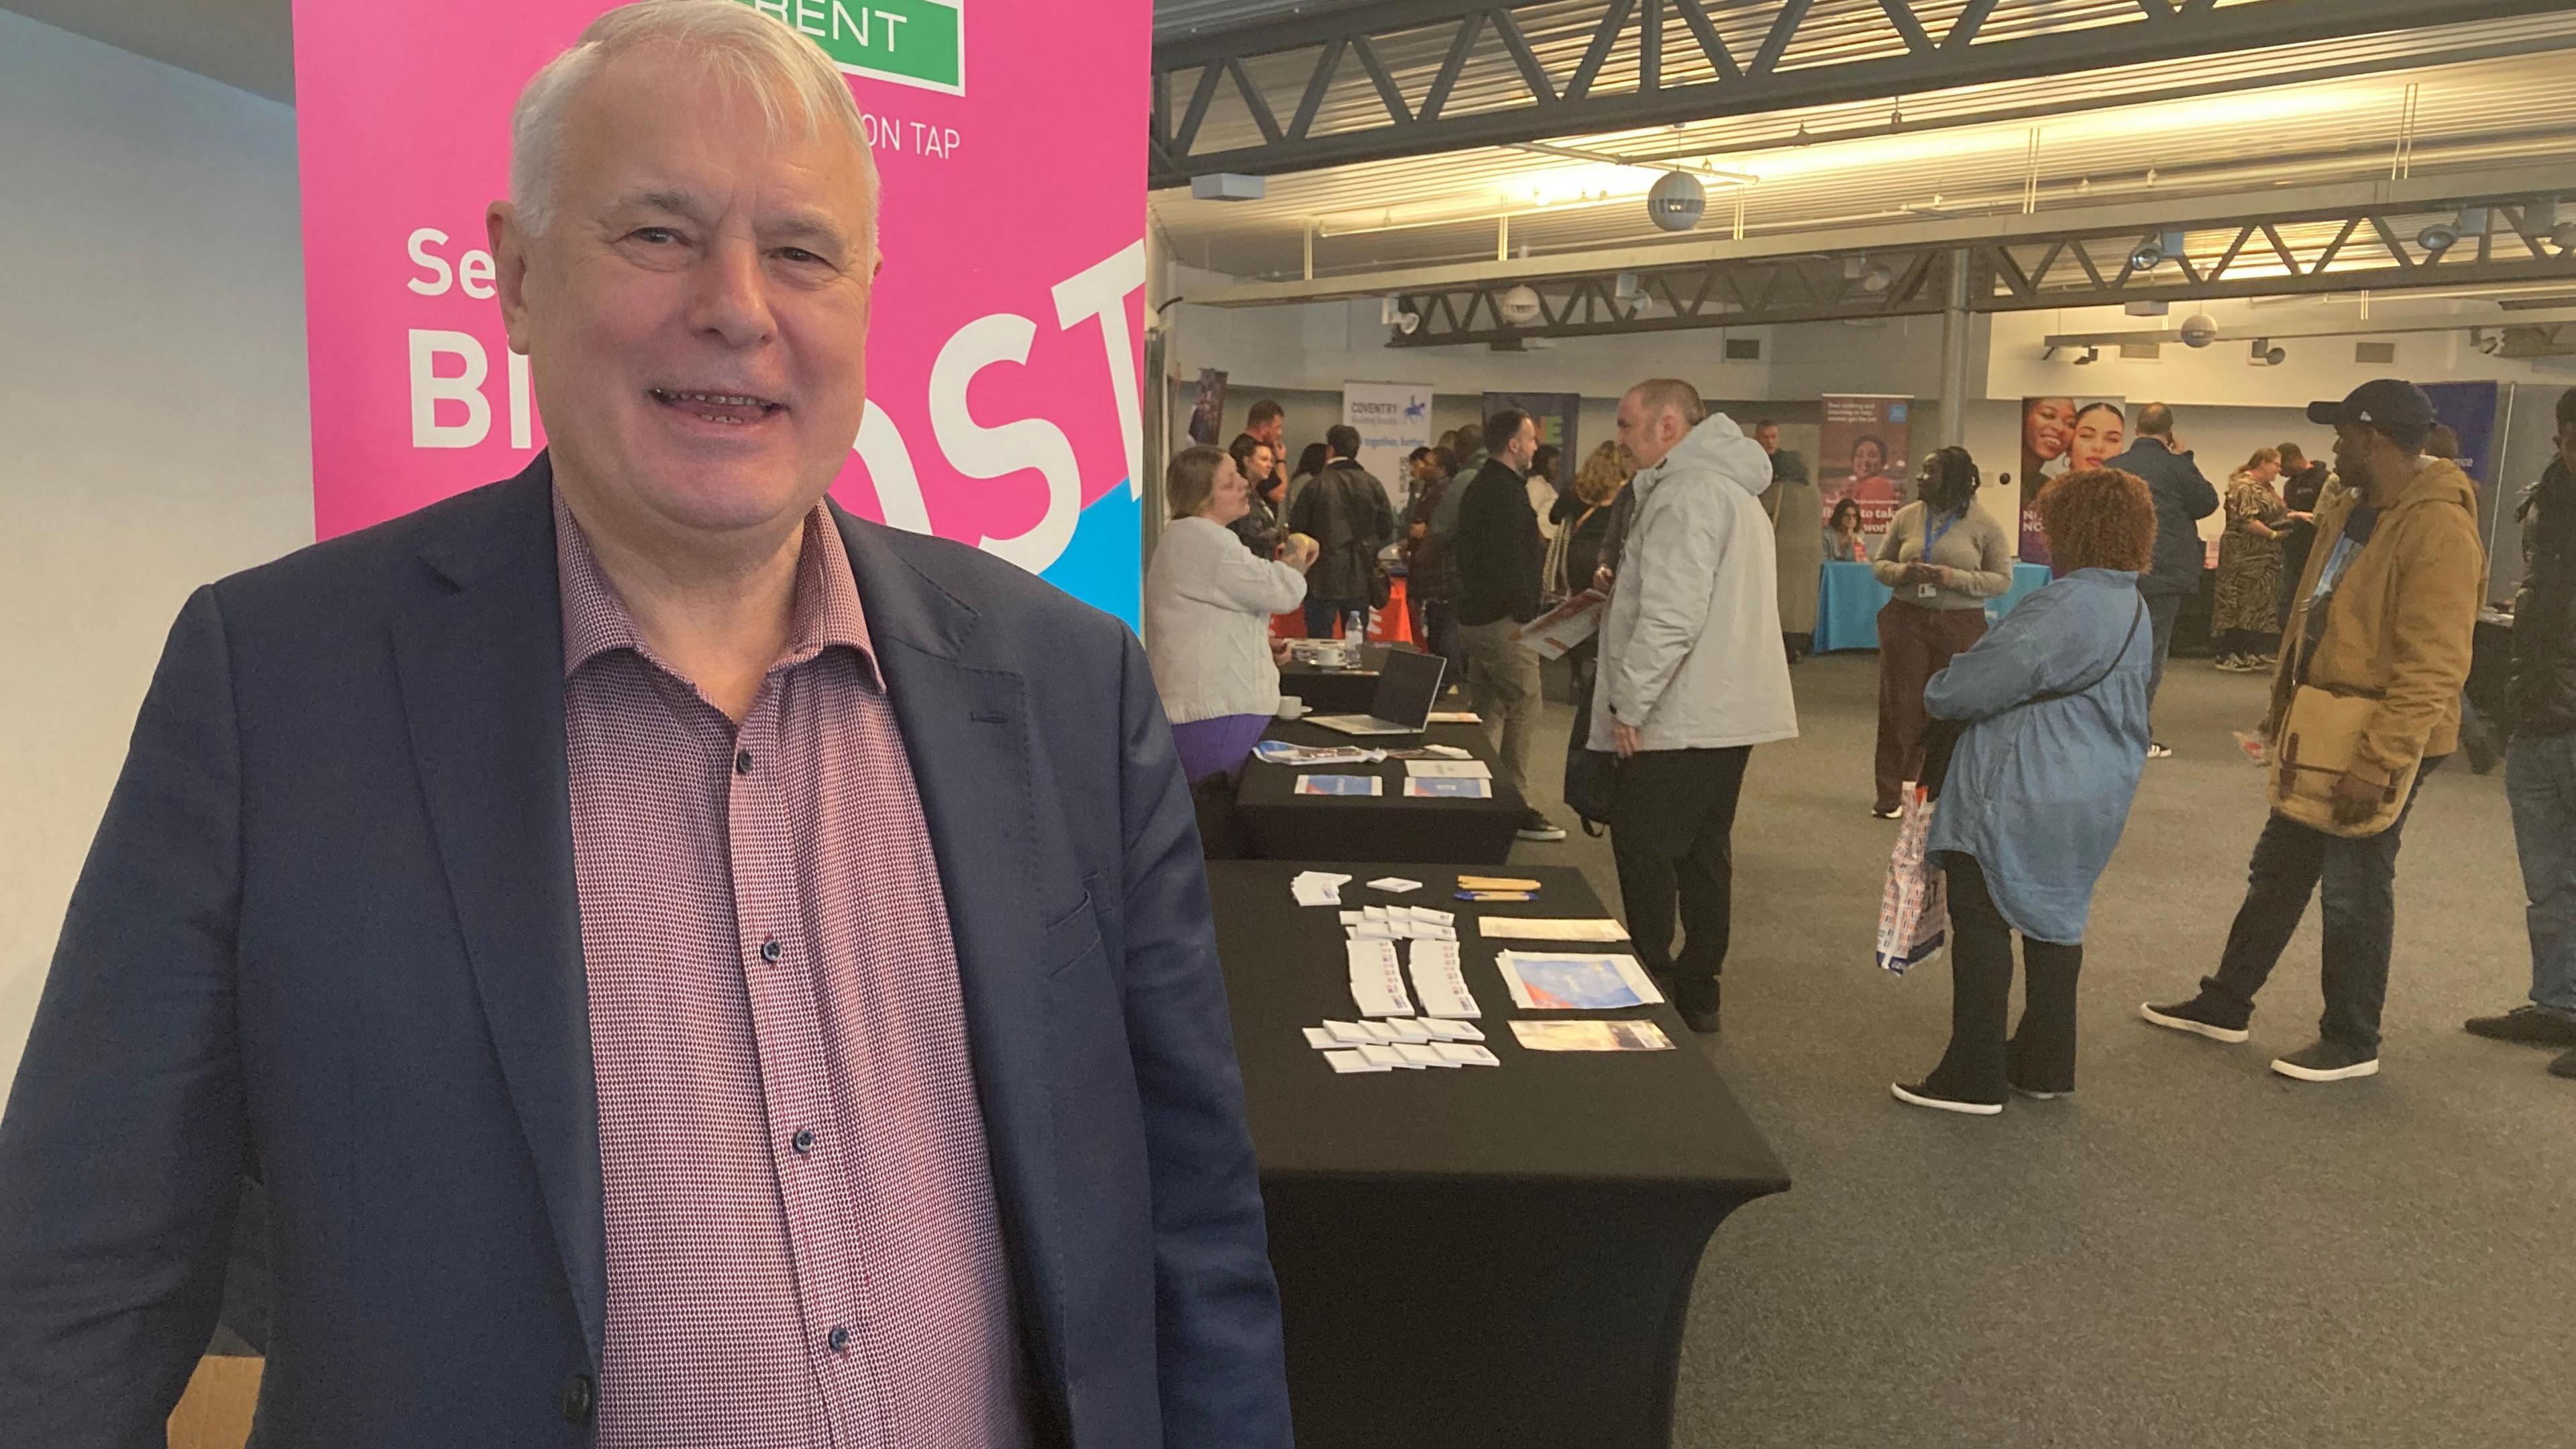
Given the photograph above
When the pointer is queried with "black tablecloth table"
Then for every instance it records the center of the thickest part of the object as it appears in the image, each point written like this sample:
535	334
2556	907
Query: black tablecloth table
1479	1255
1284	825
1335	691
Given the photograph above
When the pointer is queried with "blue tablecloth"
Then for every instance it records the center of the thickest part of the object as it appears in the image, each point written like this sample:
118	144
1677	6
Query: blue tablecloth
1849	597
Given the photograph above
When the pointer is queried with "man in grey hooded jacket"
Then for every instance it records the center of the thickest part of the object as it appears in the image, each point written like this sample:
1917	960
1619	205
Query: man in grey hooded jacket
1692	677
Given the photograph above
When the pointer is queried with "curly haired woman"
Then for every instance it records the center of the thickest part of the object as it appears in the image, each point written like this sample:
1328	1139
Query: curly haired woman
2054	707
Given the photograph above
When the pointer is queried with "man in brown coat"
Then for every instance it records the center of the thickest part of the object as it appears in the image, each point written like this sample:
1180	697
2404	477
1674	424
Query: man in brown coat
2385	610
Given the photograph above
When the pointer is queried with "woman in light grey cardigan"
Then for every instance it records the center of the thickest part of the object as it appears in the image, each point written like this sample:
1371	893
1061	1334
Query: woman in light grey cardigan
1944	559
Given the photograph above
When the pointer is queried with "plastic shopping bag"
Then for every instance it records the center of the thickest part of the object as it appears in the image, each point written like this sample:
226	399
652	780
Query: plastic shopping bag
1914	910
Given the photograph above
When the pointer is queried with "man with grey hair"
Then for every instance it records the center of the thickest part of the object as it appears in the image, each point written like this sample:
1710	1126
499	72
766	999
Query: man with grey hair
686	966
1692	678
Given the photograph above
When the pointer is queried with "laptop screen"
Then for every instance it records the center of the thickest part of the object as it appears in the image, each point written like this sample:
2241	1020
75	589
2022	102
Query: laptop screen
1407	684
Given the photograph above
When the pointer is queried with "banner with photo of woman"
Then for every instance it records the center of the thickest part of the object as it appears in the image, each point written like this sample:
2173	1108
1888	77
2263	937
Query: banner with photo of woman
1864	447
2059	435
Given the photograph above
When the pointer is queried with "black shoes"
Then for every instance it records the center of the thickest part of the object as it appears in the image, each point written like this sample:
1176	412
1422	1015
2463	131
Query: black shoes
1535	826
2527	1025
2565	1066
1922	1094
1696	1001
2200	1016
2328	1061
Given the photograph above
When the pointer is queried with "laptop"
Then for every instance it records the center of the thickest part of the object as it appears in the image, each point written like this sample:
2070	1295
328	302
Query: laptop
1407	684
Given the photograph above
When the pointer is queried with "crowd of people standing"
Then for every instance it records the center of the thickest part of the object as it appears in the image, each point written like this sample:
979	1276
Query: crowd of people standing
2359	581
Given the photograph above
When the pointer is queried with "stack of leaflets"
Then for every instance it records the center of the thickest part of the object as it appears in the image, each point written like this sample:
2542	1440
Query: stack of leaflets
1377	980
1553	981
1318	887
1340	785
1280	752
1591	1036
1400	923
1400	1044
1542	928
1439	981
1438	788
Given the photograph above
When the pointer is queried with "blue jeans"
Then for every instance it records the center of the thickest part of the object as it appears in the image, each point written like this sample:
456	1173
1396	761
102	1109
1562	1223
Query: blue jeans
2355	882
2540	783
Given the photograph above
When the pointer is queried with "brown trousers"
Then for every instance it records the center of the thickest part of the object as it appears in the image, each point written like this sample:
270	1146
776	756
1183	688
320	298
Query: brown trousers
1914	643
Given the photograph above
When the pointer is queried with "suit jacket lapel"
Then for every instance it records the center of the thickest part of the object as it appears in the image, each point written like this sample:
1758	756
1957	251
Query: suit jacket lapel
965	722
482	682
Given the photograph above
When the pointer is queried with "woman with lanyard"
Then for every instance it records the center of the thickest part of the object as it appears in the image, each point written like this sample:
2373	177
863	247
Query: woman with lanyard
1944	559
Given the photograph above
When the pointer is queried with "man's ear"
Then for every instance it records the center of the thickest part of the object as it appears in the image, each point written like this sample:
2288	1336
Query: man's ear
509	245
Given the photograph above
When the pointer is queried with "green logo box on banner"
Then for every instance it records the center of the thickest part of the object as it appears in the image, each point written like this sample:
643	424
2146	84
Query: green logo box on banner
910	42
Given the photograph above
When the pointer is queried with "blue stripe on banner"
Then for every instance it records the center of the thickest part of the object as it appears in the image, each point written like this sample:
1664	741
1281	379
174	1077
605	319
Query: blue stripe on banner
1104	564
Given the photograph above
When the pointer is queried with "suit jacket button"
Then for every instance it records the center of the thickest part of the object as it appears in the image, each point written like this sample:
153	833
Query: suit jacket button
579	1396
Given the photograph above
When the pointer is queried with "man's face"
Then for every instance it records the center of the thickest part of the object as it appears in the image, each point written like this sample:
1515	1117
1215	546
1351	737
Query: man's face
1768	436
1523	446
2369	459
2567	447
1647	434
696	313
1272	429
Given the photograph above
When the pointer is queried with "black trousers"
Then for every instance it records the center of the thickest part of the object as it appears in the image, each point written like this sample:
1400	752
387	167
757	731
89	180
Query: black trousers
1672	828
2040	1056
2356	885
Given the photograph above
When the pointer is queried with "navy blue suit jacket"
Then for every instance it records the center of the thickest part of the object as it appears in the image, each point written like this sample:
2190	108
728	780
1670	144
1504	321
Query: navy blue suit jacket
328	934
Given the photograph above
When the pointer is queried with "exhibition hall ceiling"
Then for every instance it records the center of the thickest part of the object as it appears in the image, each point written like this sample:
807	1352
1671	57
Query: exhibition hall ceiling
2481	94
248	44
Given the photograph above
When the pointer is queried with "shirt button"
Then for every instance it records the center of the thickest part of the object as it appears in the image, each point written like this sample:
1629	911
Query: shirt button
803	1141
742	762
839	1339
770	953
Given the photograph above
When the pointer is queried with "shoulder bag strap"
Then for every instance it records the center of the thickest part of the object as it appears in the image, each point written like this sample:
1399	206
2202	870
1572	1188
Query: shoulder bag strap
2116	656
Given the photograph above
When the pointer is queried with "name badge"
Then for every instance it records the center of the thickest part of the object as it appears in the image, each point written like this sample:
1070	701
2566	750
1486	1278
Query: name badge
1927	591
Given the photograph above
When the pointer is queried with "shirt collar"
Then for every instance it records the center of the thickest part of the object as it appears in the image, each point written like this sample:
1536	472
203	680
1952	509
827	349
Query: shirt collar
826	611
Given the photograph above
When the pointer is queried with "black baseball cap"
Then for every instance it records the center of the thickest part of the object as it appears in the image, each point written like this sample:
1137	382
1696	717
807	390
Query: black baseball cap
2392	405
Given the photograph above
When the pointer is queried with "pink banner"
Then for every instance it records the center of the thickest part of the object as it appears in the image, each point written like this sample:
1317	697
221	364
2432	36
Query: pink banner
1004	357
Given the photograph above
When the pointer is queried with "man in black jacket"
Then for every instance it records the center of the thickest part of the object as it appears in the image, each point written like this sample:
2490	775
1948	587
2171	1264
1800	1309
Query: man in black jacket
1344	509
2183	499
1495	558
2540	765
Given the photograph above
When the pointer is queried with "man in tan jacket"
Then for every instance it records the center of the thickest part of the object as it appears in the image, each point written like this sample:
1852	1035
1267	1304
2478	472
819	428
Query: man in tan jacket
2385	610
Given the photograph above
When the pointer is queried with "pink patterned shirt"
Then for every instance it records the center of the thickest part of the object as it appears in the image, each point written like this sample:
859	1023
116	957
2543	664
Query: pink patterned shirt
802	1243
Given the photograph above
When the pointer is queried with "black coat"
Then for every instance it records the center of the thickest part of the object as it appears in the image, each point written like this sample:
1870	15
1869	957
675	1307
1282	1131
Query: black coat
2183	499
1344	509
1497	552
2544	609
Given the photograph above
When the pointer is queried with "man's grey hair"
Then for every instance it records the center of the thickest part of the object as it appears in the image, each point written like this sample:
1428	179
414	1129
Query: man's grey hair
1670	394
796	84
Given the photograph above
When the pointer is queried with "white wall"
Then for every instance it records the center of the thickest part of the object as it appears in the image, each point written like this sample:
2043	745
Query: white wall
152	391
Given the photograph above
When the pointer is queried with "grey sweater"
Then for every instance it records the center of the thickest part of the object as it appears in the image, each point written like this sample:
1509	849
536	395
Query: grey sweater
1972	547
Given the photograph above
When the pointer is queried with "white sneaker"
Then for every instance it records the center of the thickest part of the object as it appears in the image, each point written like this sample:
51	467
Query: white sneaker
1916	1096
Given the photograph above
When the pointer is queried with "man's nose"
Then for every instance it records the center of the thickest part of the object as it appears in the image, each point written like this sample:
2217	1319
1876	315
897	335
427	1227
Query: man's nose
731	298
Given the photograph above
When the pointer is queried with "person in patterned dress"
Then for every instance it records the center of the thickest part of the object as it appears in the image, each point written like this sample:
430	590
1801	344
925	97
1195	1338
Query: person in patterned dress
2247	621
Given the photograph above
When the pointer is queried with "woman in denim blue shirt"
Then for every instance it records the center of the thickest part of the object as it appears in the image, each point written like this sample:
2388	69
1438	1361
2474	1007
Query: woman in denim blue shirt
2053	704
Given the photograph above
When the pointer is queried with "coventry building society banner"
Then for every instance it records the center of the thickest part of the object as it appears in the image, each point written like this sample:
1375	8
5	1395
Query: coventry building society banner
1003	357
1394	418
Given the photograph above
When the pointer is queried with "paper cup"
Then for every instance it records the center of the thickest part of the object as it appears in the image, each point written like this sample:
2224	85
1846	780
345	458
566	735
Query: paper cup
1291	707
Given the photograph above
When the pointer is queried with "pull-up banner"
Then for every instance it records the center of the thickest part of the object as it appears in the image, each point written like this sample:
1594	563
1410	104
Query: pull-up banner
1004	354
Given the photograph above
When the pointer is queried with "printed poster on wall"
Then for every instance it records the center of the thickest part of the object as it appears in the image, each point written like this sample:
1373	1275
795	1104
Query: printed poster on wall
1863	442
1557	414
2061	435
1003	357
1394	418
1207	407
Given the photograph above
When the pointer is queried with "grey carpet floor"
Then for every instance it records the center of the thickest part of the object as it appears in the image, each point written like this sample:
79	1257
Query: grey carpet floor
2189	1251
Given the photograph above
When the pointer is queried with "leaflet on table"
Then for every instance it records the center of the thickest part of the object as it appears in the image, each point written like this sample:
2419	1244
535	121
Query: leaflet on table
1541	928
1470	769
1318	887
1377	979
1394	885
1455	716
1354	1060
1417	788
1340	785
1554	634
1591	1036
1280	752
1429	752
1400	923
1440	982
1561	982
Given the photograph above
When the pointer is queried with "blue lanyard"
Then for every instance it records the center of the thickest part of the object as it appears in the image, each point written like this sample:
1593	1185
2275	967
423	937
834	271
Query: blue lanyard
1932	538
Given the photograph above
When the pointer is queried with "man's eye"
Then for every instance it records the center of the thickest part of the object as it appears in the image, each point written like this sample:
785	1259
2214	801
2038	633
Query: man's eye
656	235
797	254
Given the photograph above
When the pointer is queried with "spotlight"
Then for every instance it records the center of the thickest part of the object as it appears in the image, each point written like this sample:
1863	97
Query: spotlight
2155	251
1392	312
2199	330
2441	236
1630	294
2091	354
1520	306
2264	354
1872	276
